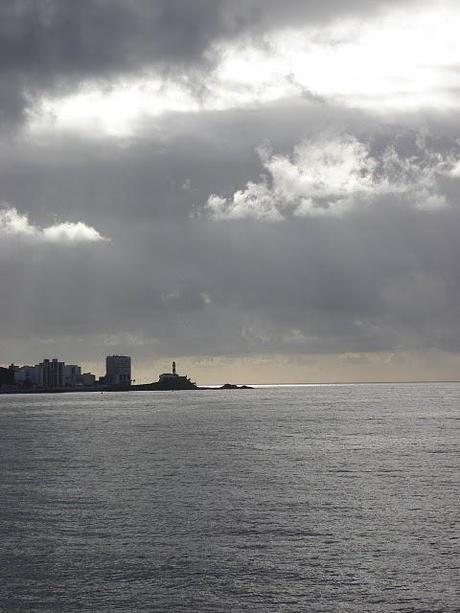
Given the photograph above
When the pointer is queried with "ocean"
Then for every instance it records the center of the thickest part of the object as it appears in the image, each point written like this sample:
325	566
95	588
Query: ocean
327	498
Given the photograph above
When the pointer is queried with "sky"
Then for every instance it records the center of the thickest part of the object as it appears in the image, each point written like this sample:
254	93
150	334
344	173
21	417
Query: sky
264	191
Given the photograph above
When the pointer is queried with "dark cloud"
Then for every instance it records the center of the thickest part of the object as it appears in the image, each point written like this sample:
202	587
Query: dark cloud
164	172
380	281
54	45
380	278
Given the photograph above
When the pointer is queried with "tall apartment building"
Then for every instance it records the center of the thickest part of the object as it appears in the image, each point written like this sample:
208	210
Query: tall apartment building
52	373
118	370
6	376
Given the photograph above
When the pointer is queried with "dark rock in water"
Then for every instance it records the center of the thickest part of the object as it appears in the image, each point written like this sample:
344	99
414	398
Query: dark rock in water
232	386
181	383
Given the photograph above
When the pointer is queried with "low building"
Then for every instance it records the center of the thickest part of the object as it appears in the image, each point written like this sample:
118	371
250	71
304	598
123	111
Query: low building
27	376
88	379
72	375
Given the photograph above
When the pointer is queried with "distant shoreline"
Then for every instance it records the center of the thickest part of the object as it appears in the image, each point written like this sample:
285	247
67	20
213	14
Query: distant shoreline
149	387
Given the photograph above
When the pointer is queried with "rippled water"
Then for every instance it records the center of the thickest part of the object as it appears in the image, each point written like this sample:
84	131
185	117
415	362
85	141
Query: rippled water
323	498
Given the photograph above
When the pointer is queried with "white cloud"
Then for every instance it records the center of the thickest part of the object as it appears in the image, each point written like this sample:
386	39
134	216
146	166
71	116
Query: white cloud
402	61
14	223
454	171
116	111
331	175
73	232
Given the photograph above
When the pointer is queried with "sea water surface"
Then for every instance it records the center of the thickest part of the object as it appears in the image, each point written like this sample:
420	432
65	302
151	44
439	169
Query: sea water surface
332	498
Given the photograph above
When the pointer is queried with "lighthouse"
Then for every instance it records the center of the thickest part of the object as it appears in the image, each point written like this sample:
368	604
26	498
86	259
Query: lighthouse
173	381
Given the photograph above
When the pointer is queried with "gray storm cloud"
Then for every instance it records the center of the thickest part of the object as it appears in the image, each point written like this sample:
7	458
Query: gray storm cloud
364	254
379	278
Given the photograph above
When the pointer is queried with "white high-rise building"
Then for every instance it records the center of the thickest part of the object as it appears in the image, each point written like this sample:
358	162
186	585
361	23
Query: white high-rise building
118	370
